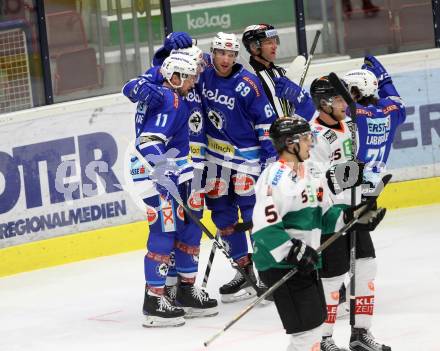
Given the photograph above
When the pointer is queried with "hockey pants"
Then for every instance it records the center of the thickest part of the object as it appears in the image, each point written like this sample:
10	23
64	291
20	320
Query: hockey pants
171	231
227	192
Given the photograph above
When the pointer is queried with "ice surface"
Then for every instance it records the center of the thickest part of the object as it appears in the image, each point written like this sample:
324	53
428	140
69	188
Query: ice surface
96	304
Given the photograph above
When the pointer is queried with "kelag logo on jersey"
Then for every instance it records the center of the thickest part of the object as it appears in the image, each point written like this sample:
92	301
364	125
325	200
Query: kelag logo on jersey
193	97
228	101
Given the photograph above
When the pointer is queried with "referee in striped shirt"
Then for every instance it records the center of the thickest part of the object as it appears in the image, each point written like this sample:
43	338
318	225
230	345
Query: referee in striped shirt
261	41
286	97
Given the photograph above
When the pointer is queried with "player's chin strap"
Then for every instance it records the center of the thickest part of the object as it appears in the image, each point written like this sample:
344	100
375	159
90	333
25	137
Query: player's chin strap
183	77
295	152
329	104
176	86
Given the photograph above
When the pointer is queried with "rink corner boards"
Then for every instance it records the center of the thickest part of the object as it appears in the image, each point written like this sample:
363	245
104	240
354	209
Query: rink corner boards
130	237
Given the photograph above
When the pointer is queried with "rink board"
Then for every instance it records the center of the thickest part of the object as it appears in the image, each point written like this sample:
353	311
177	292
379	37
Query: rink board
63	169
109	241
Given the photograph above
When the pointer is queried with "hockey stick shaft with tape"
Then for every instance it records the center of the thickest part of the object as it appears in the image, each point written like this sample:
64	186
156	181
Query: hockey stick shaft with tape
309	59
342	90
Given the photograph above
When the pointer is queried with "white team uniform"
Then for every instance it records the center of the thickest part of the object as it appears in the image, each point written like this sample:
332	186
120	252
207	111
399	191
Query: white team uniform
290	205
334	146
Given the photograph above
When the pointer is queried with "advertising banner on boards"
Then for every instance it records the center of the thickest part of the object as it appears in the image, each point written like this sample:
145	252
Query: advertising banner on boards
64	168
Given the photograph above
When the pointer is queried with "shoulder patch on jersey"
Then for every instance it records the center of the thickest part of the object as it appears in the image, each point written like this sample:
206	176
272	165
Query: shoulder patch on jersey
278	174
176	101
389	108
363	111
330	135
253	85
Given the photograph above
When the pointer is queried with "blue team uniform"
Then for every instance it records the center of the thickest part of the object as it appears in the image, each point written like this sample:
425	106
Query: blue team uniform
377	125
165	132
238	115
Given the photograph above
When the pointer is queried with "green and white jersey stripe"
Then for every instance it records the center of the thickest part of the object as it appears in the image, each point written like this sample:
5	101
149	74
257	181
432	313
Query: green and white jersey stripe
290	205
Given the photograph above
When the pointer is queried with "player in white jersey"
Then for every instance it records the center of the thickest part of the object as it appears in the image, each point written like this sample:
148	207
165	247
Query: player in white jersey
292	209
334	132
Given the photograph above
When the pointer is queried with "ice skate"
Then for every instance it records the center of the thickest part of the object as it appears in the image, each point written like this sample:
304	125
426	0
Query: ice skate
238	288
171	292
195	301
328	344
262	288
159	312
362	340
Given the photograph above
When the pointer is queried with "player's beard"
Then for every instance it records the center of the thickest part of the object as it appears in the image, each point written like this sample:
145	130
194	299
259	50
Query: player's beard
183	92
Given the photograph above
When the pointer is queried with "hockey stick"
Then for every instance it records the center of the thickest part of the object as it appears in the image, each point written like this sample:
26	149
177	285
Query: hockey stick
208	266
204	229
292	272
342	90
239	227
305	67
309	59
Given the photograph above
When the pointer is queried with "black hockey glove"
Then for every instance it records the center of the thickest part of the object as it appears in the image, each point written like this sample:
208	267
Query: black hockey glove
302	256
367	221
345	176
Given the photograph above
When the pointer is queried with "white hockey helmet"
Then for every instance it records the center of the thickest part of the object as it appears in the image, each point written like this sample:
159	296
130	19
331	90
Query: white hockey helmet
364	80
181	64
193	53
225	41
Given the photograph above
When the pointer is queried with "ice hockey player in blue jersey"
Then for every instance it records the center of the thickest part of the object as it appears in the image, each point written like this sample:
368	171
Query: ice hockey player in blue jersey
377	120
148	85
162	138
239	116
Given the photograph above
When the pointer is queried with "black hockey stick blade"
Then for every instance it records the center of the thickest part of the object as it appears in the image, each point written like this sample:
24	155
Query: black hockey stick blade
309	59
342	90
243	226
315	42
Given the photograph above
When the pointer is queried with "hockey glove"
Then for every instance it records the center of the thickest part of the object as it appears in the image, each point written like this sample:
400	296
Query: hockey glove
302	256
177	40
286	89
166	186
367	221
151	95
345	176
373	65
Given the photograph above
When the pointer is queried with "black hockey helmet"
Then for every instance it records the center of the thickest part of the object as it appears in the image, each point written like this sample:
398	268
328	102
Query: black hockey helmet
320	89
258	32
287	130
